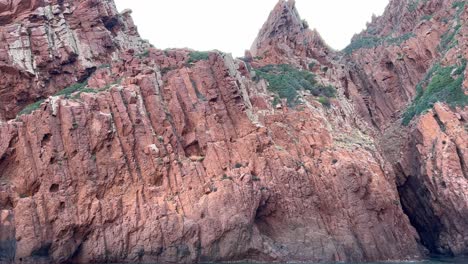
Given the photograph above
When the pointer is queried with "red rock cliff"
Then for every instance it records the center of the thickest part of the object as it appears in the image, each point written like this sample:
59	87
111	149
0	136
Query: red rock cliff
418	57
47	45
180	157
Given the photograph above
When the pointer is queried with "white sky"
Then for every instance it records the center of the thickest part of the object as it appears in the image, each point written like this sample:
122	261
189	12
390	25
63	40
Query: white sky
232	25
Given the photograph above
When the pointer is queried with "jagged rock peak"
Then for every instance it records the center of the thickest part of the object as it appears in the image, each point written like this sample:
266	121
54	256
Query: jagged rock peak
283	20
286	38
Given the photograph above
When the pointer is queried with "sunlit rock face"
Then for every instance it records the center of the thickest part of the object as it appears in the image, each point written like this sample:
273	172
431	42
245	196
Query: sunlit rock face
178	156
47	45
420	59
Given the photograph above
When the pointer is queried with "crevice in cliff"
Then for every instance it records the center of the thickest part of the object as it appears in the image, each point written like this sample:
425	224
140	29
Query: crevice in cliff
439	122
464	167
366	92
7	156
416	201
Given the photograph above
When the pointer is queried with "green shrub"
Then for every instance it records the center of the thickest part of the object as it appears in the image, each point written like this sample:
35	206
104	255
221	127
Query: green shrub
71	89
30	108
460	69
400	39
460	4
441	88
285	81
325	101
364	42
448	38
413	5
195	56
90	90
426	17
225	177
104	66
370	42
276	101
67	92
144	54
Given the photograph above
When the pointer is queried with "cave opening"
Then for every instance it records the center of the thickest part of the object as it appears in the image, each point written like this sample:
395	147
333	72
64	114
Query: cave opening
416	203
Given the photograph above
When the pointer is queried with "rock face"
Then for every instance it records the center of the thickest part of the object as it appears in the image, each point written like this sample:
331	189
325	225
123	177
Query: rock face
432	178
286	39
430	156
178	156
405	43
47	45
183	166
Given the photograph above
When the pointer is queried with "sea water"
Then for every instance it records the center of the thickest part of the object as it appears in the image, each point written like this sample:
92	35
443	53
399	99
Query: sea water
438	260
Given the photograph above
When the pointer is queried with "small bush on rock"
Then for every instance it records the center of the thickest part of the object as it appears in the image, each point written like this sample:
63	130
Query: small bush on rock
195	56
445	86
286	81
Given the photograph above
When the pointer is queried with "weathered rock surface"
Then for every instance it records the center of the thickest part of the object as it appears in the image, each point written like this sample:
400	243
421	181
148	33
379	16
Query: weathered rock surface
286	39
379	74
430	156
164	159
184	167
433	180
410	35
47	45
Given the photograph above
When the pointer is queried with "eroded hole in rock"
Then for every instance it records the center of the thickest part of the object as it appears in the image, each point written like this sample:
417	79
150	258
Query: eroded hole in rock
428	53
87	73
6	204
193	149
34	189
100	194
72	58
265	212
389	65
439	122
62	206
54	188
463	164
157	180
110	22
43	251
45	139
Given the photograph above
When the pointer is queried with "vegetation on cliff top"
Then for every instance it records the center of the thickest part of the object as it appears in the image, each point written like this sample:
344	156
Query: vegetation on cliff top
195	56
65	92
444	85
30	108
373	41
286	81
74	89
